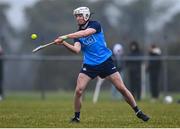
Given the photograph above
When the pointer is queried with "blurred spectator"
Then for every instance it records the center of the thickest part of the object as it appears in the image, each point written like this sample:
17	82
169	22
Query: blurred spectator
118	54
154	70
1	74
134	70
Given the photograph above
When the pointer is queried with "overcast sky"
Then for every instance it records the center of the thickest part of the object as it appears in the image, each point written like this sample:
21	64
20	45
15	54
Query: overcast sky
16	17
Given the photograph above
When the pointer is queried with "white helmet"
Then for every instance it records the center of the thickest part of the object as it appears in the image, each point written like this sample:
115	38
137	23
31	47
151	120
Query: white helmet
84	11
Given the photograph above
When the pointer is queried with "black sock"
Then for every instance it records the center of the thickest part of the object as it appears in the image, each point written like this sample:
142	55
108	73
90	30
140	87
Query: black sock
77	114
136	109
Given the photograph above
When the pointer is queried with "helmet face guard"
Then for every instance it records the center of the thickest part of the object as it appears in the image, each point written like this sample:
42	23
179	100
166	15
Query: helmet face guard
84	11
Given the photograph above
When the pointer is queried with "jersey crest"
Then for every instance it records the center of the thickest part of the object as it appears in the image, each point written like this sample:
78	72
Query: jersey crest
88	40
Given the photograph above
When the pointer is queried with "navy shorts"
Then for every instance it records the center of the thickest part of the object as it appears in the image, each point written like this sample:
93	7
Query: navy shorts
102	70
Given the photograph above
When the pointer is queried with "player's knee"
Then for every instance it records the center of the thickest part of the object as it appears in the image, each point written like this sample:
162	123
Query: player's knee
78	92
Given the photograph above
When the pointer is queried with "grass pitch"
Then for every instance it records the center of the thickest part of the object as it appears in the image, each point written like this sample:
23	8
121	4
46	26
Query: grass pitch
27	110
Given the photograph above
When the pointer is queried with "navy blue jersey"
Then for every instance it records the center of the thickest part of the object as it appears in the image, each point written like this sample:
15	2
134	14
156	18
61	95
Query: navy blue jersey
94	46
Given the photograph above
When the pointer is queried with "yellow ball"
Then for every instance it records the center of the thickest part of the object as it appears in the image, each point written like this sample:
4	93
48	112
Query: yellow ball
34	36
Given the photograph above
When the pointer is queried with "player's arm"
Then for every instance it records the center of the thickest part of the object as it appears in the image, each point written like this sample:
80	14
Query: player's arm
78	34
81	33
76	48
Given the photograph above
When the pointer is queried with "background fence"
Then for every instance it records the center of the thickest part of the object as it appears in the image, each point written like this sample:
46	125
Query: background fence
59	73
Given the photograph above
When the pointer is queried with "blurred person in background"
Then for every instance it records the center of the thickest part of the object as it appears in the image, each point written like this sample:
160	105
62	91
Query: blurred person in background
153	68
97	60
134	70
118	53
1	73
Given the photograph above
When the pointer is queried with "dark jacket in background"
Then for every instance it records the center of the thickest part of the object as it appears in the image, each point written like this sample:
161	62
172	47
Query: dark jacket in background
154	67
134	70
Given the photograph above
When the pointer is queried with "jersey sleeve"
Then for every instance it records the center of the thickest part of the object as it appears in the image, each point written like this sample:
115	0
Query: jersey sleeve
95	25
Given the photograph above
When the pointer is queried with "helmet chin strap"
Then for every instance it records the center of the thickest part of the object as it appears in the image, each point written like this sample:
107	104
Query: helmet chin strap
84	25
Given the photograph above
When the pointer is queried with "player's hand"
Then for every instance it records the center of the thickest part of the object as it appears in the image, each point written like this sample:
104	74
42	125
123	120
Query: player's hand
58	41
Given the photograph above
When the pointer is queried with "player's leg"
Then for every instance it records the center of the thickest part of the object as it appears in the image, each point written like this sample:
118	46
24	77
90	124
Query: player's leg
115	78
82	82
80	87
118	83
